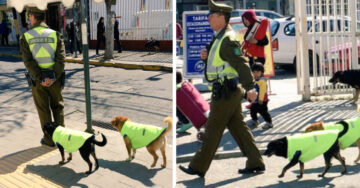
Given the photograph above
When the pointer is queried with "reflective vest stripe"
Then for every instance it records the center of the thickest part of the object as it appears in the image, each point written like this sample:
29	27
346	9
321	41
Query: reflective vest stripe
217	68
42	46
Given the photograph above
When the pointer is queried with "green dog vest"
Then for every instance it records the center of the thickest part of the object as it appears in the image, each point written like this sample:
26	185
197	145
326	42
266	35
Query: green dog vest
351	136
140	135
70	140
311	144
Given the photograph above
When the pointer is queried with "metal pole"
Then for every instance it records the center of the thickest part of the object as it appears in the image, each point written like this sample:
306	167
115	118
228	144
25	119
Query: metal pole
86	65
74	31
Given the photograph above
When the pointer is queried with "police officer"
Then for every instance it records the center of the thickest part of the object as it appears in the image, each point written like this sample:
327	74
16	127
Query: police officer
226	69
43	54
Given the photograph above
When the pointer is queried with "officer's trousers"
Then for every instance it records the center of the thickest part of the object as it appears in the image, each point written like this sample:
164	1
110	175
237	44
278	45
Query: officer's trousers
49	100
226	113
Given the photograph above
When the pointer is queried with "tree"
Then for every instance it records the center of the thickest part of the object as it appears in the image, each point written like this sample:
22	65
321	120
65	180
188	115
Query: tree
109	30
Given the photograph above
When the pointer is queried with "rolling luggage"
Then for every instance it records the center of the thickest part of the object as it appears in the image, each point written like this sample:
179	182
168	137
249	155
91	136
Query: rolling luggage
190	102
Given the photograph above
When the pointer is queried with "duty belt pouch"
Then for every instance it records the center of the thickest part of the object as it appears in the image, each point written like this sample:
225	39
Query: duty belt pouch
216	92
47	74
30	81
226	88
62	80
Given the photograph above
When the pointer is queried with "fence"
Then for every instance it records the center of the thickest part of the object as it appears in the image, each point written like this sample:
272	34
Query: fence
326	33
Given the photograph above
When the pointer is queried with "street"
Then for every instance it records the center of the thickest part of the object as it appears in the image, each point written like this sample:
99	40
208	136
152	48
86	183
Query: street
143	96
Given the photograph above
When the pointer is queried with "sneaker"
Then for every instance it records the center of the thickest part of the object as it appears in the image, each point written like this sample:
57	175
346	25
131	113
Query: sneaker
268	125
252	122
184	128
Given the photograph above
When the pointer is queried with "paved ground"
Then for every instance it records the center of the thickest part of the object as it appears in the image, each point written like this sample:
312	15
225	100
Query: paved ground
290	116
127	59
144	96
223	173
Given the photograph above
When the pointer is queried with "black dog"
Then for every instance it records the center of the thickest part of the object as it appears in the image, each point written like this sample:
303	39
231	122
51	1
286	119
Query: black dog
152	44
279	147
86	148
349	77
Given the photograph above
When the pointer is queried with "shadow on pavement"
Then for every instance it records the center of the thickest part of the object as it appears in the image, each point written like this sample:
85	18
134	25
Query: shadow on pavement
325	182
353	169
11	162
132	170
58	174
288	119
200	182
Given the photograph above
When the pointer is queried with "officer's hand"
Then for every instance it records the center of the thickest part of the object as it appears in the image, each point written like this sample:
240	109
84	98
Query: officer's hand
253	41
251	95
203	54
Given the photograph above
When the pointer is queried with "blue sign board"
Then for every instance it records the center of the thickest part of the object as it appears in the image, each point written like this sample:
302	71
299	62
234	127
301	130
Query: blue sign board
197	34
2	2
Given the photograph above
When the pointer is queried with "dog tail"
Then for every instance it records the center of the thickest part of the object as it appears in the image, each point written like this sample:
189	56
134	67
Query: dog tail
346	128
168	120
104	141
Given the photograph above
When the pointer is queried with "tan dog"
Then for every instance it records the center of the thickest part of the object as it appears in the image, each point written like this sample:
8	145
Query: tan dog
139	132
320	126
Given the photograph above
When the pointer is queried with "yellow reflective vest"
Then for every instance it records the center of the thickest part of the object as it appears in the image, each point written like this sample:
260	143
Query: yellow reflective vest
216	67
42	42
70	140
310	144
140	135
352	134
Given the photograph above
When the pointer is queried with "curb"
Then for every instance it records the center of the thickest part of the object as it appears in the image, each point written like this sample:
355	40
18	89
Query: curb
218	155
109	64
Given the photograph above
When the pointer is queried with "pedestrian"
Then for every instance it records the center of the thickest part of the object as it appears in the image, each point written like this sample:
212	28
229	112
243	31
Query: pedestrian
43	54
4	33
100	34
74	38
229	75
260	104
116	35
254	47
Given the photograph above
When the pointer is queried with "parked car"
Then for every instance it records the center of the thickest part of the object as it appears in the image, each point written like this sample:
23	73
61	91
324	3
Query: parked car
258	12
284	41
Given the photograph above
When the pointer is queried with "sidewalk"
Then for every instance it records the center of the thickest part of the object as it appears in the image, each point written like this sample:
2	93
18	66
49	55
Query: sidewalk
290	116
127	59
25	163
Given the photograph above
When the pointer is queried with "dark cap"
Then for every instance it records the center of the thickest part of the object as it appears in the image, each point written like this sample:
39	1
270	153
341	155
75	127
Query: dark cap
219	7
35	10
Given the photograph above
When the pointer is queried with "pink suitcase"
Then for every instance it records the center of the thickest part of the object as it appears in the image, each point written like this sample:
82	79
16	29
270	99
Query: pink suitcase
190	102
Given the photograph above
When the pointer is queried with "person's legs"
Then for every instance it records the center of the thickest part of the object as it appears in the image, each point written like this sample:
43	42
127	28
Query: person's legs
221	112
41	100
98	44
263	110
57	103
245	140
118	44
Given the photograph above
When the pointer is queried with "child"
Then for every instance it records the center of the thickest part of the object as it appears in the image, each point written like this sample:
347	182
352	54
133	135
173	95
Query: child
260	104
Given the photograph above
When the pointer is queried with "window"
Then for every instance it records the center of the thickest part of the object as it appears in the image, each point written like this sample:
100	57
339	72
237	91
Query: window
271	15
274	25
290	29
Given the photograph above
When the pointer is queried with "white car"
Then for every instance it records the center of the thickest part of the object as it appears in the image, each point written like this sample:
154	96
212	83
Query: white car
284	40
258	12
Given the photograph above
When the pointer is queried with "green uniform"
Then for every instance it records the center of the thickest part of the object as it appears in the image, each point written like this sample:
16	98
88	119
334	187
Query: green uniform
47	99
352	134
310	144
140	135
227	112
70	140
